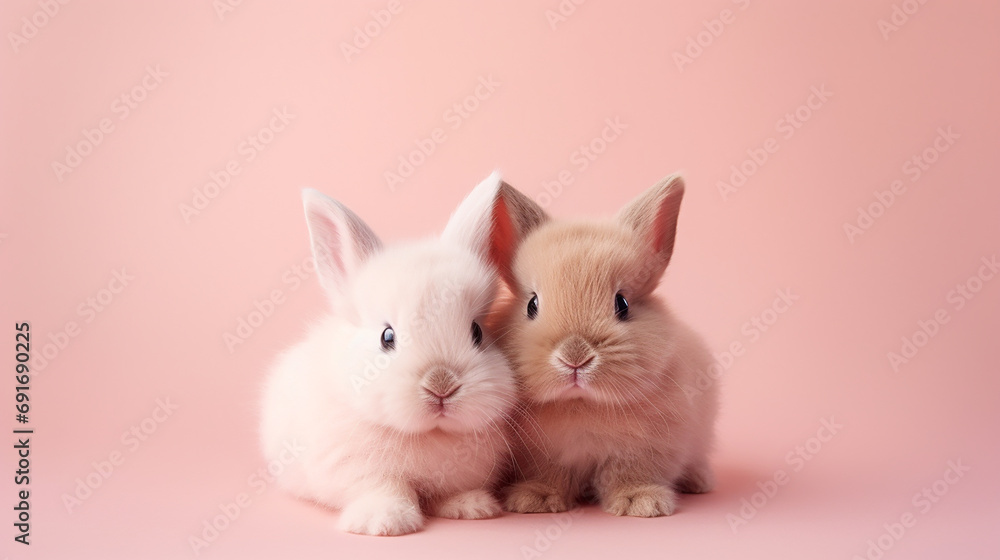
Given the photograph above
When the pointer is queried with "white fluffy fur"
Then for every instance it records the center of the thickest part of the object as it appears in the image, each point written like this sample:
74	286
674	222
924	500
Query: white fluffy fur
377	444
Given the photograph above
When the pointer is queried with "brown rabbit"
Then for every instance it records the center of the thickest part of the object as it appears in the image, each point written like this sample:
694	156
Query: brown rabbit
605	368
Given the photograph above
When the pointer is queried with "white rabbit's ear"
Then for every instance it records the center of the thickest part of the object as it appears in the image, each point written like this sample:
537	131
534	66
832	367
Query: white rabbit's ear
653	215
472	222
341	241
492	221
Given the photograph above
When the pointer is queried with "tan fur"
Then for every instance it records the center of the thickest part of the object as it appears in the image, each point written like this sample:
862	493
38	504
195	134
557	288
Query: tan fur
639	429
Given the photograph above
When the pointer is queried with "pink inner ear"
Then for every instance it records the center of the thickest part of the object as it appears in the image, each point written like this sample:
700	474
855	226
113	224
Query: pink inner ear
664	227
328	249
657	240
503	240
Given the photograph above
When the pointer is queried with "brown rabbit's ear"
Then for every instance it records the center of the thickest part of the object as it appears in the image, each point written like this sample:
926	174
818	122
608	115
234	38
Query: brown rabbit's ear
341	241
514	217
653	215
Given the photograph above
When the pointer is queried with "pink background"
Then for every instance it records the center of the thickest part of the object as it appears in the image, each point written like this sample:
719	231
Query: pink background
161	337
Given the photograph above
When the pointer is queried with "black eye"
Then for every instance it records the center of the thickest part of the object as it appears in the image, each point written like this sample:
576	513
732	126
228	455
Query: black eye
533	306
477	334
621	307
388	339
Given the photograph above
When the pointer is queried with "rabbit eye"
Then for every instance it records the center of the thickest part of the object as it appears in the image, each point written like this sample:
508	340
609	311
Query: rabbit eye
388	339
533	306
477	334
621	307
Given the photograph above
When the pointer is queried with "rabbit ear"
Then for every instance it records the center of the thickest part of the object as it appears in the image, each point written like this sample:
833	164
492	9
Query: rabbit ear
653	215
341	241
492	220
516	217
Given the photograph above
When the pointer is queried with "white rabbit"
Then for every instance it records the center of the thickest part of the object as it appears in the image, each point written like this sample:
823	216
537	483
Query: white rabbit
400	397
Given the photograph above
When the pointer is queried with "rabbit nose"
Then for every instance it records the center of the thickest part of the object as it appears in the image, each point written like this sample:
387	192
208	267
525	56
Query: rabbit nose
576	365
440	383
441	396
575	352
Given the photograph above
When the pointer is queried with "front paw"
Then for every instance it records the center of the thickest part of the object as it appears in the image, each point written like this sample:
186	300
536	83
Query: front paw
381	515
534	497
474	504
650	500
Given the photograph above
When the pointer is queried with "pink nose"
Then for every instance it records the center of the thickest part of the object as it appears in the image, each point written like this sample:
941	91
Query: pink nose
578	365
441	396
575	353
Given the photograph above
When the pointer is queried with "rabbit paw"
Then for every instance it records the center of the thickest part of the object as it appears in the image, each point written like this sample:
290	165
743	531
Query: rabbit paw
534	497
474	504
650	500
381	515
